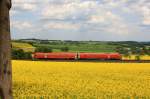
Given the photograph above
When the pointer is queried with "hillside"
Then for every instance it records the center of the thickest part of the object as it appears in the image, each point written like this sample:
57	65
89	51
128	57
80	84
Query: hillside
25	46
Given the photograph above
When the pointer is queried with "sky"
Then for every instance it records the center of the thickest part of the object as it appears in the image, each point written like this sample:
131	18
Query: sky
96	20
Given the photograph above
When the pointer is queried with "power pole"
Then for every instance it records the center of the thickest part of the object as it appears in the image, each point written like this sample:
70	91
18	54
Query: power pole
5	51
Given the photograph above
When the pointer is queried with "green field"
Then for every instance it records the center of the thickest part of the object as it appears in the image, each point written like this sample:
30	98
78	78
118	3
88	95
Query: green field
81	47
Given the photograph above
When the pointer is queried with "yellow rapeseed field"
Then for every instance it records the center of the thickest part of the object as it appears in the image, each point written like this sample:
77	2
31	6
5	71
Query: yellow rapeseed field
133	57
80	80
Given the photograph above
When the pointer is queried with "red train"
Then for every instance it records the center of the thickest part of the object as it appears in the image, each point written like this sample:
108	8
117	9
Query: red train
78	56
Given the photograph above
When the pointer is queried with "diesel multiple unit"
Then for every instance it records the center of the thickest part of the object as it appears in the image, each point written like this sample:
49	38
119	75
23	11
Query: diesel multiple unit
77	56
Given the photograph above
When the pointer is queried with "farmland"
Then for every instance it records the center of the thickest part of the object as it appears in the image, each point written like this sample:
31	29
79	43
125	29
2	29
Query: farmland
24	46
83	46
56	46
80	80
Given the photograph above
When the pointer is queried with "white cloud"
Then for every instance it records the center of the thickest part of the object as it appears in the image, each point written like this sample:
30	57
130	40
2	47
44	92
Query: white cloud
104	16
113	23
118	28
13	12
96	19
61	25
142	8
62	11
23	5
115	3
28	6
21	25
146	15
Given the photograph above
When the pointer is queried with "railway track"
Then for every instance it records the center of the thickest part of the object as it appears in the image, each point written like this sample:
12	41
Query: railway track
100	61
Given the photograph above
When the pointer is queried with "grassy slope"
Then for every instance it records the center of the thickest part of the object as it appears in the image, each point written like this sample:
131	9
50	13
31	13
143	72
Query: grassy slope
25	46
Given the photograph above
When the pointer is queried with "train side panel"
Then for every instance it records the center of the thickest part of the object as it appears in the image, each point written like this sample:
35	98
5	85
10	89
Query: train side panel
61	55
100	56
55	55
93	56
115	56
38	56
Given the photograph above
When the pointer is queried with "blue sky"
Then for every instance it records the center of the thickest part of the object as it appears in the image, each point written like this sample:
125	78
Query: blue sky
100	20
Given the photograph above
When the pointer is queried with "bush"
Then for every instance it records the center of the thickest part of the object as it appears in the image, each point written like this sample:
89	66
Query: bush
27	55
137	57
20	54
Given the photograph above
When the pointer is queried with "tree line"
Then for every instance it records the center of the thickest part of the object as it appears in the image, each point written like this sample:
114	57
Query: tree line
21	54
137	51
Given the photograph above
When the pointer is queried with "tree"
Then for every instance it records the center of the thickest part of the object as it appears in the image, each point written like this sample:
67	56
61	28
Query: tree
125	51
5	51
20	54
64	49
148	51
27	55
44	49
138	52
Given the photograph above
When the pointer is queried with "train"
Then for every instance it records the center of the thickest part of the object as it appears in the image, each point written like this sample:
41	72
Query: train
76	56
